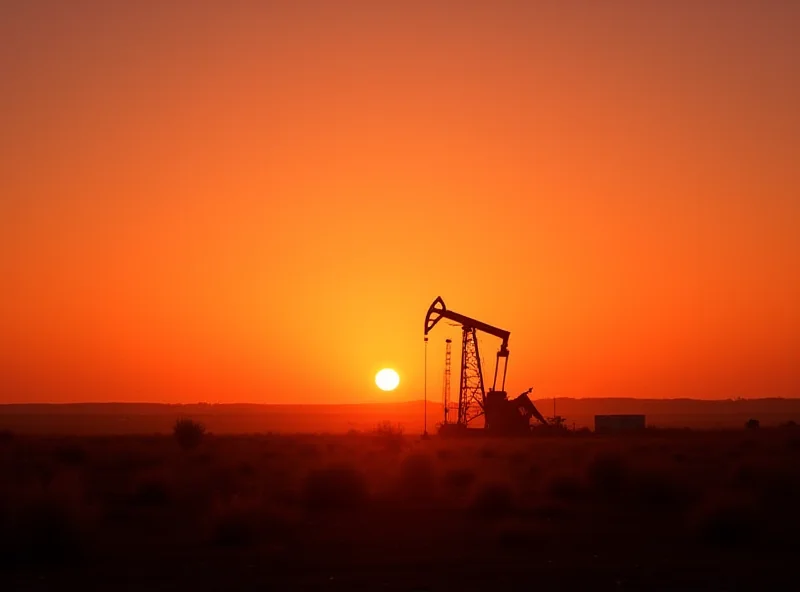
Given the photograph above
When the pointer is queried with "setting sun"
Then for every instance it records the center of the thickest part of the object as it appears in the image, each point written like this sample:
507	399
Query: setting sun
387	379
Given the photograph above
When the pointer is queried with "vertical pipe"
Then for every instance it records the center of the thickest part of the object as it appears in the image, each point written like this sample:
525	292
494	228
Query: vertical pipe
462	419
425	391
446	381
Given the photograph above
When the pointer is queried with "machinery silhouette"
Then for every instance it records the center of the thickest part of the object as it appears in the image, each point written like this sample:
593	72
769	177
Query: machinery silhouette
501	416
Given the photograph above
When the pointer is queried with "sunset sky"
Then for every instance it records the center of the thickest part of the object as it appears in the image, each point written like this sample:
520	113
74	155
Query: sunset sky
258	201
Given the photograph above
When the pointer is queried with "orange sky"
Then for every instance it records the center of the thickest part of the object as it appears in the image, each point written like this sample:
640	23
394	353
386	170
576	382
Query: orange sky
224	202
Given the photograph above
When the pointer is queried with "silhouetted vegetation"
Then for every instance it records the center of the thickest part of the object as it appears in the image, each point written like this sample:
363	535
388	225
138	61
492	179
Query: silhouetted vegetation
390	435
493	500
188	433
340	487
460	478
77	500
418	477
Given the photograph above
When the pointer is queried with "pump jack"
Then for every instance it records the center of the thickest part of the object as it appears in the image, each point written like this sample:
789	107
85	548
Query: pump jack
501	415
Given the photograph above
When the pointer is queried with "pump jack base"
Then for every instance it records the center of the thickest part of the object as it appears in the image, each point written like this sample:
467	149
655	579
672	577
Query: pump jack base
456	430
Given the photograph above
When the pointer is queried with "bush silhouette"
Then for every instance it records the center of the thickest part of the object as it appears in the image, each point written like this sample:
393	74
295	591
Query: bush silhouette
387	429
657	491
188	433
565	487
417	477
44	531
460	478
339	487
390	435
607	473
151	493
493	500
729	525
71	454
234	530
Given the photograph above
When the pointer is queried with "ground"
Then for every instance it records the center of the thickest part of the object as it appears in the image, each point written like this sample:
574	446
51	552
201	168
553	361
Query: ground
670	510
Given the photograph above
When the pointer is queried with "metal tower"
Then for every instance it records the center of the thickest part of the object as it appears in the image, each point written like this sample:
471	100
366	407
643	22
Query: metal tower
471	396
446	386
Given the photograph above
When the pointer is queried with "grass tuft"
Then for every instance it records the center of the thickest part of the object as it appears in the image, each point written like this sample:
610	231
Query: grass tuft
493	500
188	433
338	487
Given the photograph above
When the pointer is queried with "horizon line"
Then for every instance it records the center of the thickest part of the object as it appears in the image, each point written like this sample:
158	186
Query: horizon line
411	401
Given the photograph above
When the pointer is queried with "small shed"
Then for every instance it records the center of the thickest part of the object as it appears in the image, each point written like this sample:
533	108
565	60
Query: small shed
611	424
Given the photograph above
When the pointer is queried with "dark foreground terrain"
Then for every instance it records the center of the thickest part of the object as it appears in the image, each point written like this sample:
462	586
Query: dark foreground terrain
662	510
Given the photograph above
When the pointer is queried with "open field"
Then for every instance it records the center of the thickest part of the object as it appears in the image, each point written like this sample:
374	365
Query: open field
149	418
661	510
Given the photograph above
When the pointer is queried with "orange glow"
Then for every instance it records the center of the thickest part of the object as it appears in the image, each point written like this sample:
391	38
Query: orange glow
259	204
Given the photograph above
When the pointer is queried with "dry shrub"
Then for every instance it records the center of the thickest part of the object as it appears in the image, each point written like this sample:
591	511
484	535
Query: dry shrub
417	477
246	523
607	473
390	436
188	433
151	492
518	457
660	491
729	523
521	538
204	458
223	480
771	484
121	462
338	487
246	469
235	529
389	429
493	500
307	451
461	478
71	454
42	530
565	487
552	512
445	454
488	452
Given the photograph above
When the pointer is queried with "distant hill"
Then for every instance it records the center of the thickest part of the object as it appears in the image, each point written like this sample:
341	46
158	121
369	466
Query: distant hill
143	418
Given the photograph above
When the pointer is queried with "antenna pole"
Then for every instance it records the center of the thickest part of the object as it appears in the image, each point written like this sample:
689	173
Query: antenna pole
425	391
446	385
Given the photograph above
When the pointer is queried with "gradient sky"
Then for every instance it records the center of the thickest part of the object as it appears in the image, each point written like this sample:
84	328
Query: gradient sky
255	201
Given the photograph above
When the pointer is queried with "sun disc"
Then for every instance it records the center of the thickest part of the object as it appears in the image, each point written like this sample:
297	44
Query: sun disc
387	379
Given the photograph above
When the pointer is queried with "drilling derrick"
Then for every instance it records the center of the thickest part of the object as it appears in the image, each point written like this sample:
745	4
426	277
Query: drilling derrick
501	416
472	394
471	397
446	386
